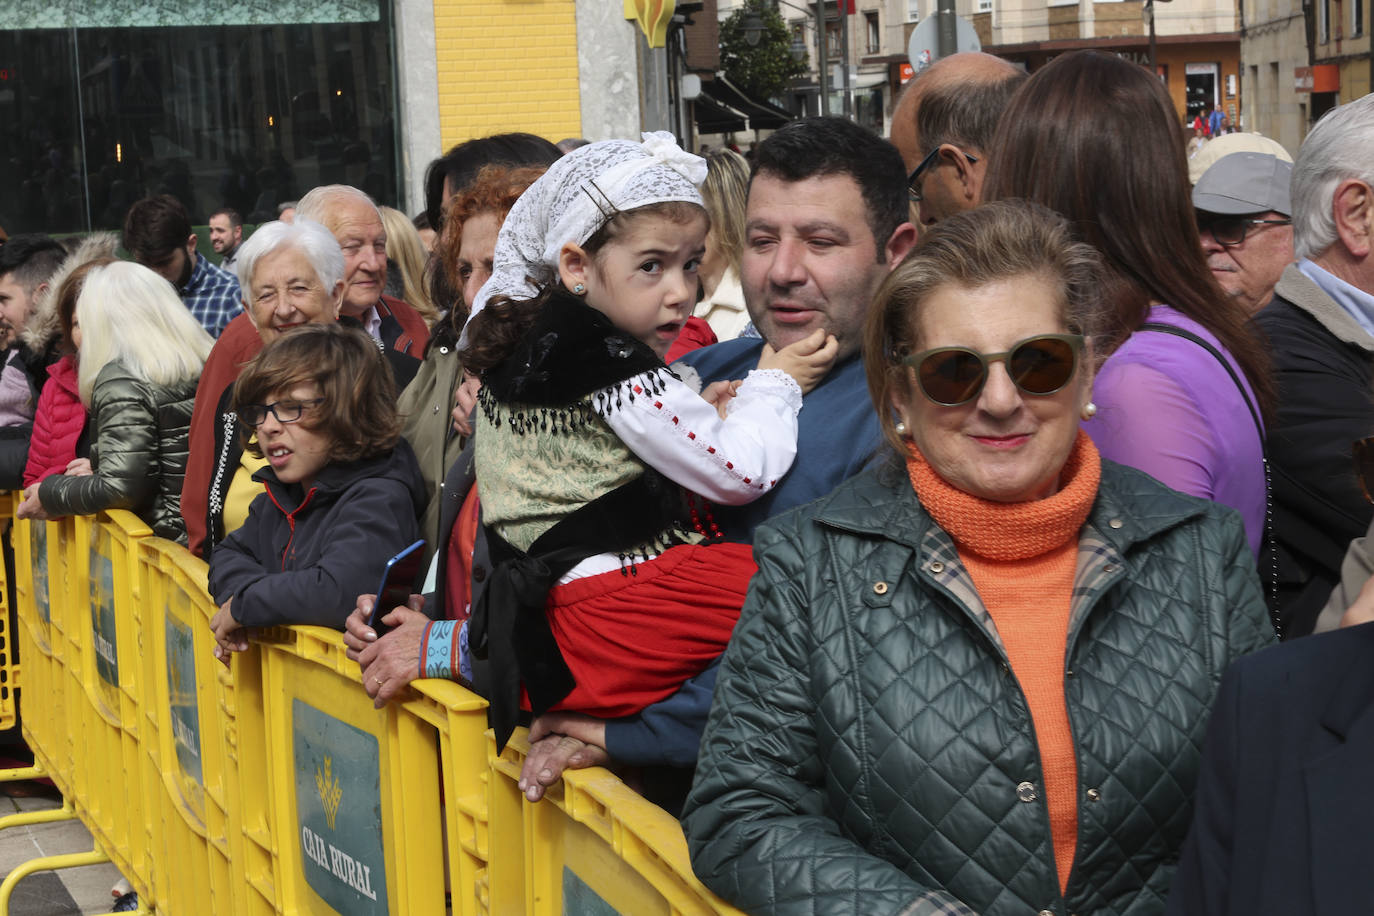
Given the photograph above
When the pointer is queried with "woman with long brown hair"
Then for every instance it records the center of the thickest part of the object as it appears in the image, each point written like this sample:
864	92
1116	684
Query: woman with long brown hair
1185	385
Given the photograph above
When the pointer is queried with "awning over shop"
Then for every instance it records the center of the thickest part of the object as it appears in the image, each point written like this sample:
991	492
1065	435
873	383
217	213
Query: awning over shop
714	118
757	113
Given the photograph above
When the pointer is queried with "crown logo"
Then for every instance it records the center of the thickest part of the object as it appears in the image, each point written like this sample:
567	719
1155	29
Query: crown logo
330	792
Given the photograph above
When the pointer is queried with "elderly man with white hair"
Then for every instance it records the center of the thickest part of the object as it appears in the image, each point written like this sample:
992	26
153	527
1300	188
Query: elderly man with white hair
1320	326
356	222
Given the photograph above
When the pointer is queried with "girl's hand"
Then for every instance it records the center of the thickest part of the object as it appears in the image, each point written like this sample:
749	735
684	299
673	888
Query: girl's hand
806	360
230	635
31	507
79	467
464	401
719	394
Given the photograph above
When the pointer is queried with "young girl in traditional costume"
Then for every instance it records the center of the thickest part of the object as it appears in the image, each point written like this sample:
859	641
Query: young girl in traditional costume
596	464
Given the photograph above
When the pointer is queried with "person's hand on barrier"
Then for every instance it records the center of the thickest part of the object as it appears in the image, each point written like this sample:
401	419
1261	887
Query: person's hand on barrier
31	507
79	467
230	636
464	401
561	741
391	661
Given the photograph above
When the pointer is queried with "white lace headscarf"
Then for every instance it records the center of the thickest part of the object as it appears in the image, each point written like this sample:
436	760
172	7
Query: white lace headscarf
575	198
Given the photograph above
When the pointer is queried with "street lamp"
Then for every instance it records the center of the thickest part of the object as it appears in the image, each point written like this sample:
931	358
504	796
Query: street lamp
752	29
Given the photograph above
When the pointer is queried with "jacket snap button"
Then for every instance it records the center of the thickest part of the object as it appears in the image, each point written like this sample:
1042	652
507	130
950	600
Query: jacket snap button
880	588
937	567
479	573
1026	792
1109	568
1115	523
1045	913
443	349
436	408
1094	795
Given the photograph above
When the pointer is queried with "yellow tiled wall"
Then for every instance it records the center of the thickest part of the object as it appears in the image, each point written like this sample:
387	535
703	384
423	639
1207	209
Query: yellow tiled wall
507	65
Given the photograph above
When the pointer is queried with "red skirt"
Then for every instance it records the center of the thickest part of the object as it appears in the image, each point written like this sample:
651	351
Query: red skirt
632	640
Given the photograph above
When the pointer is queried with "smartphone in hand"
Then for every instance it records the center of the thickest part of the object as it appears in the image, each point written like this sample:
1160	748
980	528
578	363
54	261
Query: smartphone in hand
398	583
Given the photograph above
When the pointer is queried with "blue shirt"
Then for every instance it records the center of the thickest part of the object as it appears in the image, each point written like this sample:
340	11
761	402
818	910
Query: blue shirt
1355	301
837	433
212	295
837	436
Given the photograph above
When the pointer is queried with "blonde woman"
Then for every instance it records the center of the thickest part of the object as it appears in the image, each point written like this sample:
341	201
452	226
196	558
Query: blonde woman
407	249
725	190
140	356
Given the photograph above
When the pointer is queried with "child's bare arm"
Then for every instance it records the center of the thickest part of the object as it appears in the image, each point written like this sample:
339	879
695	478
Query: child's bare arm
806	360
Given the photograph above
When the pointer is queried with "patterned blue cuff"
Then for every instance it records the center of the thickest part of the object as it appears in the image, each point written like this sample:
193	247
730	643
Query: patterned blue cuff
437	658
464	654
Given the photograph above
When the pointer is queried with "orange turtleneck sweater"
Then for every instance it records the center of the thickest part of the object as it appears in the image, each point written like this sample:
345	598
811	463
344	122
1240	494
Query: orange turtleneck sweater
1022	557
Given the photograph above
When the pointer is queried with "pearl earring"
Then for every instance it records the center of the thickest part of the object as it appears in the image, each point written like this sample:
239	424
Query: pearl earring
1089	410
579	289
901	428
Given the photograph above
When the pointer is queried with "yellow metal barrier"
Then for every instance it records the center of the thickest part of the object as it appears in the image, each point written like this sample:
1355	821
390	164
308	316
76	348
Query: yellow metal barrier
9	662
274	786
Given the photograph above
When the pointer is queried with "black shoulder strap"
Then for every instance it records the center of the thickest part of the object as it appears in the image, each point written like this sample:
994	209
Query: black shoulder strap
1225	363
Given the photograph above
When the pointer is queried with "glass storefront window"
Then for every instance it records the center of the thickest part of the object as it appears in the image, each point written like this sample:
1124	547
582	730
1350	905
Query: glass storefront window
101	114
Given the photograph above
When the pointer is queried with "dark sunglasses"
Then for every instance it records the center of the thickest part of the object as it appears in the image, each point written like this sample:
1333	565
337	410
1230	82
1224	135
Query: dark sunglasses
1232	230
1363	451
913	181
1040	365
285	411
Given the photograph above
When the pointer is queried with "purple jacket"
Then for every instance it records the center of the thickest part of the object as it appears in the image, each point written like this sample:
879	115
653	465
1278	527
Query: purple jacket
1167	407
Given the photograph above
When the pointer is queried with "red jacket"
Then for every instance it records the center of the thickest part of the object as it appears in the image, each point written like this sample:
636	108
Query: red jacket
238	343
57	424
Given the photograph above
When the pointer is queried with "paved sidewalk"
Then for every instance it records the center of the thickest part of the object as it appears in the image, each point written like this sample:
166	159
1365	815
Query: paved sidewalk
68	892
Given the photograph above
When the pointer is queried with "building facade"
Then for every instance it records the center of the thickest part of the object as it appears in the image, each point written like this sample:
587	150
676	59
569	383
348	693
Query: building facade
1197	46
251	104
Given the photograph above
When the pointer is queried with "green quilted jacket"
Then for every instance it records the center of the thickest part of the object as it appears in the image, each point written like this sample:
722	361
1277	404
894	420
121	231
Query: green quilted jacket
869	750
139	432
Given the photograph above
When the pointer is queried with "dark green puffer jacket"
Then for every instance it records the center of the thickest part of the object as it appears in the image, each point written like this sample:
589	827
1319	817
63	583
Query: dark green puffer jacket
869	750
140	434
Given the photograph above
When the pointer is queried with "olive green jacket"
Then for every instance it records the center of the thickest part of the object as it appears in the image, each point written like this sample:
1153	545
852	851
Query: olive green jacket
426	406
869	750
139	453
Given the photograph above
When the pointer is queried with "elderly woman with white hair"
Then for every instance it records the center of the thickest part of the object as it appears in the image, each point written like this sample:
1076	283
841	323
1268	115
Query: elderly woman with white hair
291	274
141	353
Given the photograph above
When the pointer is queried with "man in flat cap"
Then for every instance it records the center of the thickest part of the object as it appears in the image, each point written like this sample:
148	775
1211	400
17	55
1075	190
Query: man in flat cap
1244	216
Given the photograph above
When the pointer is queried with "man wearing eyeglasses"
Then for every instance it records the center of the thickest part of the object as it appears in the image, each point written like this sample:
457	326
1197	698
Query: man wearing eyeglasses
943	128
1320	327
1244	216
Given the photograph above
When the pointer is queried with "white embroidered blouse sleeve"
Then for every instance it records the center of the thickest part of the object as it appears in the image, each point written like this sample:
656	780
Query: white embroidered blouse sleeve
678	433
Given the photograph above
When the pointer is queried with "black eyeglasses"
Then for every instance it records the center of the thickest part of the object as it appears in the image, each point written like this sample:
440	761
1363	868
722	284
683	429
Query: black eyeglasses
1040	365
285	411
1363	452
913	181
1231	230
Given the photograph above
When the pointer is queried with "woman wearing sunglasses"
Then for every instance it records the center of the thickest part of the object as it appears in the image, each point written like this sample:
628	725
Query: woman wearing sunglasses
975	680
1185	385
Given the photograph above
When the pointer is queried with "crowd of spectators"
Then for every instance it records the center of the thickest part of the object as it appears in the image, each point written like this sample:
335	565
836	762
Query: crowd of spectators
908	515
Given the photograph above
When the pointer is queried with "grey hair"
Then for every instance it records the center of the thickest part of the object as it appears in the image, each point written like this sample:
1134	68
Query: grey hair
1336	150
318	202
317	243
